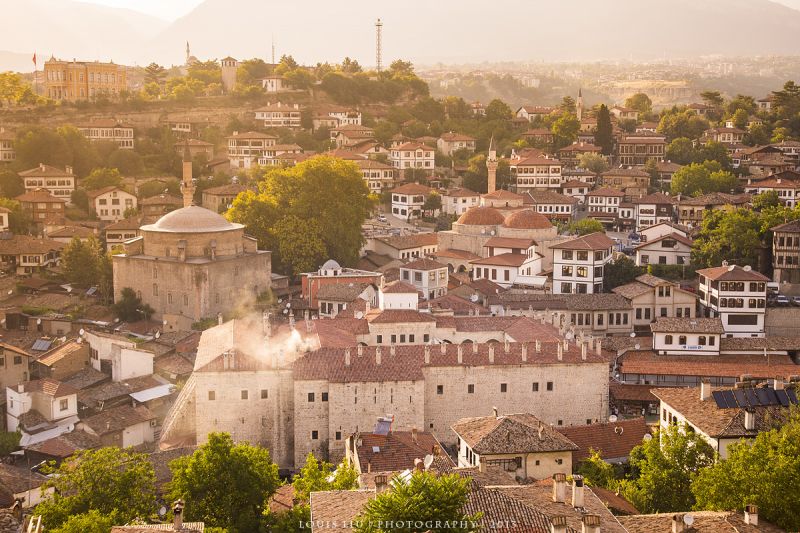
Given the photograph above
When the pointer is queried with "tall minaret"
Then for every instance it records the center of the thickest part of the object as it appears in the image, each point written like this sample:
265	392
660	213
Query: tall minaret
187	184
188	53
491	167
579	105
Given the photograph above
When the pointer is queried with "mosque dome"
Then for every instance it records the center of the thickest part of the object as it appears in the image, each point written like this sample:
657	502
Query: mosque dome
192	219
527	219
481	216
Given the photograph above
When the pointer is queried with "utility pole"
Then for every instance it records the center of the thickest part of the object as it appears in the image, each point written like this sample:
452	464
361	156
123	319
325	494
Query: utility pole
378	52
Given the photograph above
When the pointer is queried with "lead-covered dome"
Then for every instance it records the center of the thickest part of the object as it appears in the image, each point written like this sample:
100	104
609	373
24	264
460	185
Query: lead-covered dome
481	216
527	219
192	219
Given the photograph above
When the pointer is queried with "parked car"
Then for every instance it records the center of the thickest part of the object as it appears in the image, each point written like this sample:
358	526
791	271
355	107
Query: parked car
634	237
628	250
381	218
773	287
782	300
796	300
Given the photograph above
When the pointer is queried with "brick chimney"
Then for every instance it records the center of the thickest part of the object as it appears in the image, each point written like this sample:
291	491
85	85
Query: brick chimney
506	346
590	523
751	515
177	514
491	353
559	487
577	491
558	524
347	357
392	349
414	435
598	346
705	390
360	349
381	483
427	354
538	346
583	351
443	348
749	419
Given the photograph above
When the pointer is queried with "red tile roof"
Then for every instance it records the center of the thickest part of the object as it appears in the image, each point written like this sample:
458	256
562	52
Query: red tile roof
732	273
594	241
395	451
613	440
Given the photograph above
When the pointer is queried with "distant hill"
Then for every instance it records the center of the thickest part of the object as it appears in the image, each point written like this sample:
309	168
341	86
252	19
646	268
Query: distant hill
421	30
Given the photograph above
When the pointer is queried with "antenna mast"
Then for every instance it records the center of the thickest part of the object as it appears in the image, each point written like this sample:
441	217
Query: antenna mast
378	51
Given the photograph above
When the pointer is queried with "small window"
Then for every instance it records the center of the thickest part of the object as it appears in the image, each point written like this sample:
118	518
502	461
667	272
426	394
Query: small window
264	394
535	387
324	396
470	389
550	386
338	435
504	387
315	435
426	337
439	389
560	422
212	395
667	339
379	340
17	359
537	462
559	461
310	396
64	404
244	394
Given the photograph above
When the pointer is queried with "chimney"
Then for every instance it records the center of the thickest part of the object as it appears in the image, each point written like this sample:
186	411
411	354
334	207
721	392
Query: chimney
347	357
378	355
474	347
481	465
583	351
494	412
369	467
360	349
560	352
590	523
678	525
219	319
506	346
392	349
380	482
559	487
599	347
414	435
20	387
524	352
491	353
460	354
68	168
538	346
558	524
705	390
749	419
751	515
577	491
41	166
427	354
443	348
777	384
177	514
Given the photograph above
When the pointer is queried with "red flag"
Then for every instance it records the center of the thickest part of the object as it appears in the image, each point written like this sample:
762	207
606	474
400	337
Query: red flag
34	58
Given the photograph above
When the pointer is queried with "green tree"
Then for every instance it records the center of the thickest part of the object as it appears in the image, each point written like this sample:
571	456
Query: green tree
41	145
127	162
675	124
740	118
250	71
14	90
565	130
155	73
81	261
83	153
714	151
757	135
319	476
102	177
586	226
129	307
498	110
225	484
9	441
665	467
92	522
423	498
712	98
603	135
765	199
640	102
746	103
206	72
786	102
620	272
323	190
300	245
702	178
764	472
433	203
597	472
681	151
112	481
568	105
18	220
11	185
350	66
594	163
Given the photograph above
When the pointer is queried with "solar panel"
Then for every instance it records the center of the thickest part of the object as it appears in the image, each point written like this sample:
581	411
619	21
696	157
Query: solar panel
763	396
752	397
741	399
41	345
721	403
792	396
783	398
729	399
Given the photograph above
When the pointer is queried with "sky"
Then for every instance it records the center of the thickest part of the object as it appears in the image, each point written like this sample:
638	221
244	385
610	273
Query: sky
164	9
173	9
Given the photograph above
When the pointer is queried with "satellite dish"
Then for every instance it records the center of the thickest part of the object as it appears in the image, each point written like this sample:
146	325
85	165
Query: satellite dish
79	340
612	418
280	300
288	305
38	321
162	511
116	320
473	298
493	232
69	289
637	345
81	332
688	520
285	311
648	437
158	334
428	461
359	315
10	291
569	336
633	334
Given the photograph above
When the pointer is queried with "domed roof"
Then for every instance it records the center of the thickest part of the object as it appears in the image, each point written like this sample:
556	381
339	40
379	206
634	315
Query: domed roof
331	264
481	216
527	219
192	219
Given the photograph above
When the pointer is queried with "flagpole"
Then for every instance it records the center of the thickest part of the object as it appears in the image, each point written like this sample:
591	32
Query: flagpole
35	70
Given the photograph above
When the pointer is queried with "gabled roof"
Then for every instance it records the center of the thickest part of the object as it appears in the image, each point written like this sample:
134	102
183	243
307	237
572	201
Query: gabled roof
49	387
451	137
514	433
396	450
655	198
412	188
684	325
423	263
613	440
704	522
594	241
606	191
39	195
732	273
509	259
21	244
45	171
118	419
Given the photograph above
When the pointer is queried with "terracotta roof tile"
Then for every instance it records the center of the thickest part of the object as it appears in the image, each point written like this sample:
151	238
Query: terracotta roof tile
612	440
395	451
732	273
594	241
513	433
704	522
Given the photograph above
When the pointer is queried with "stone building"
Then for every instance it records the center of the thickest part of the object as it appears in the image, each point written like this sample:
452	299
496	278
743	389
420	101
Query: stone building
78	80
192	263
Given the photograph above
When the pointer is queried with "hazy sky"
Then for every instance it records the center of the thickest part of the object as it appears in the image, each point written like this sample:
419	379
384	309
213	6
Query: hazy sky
164	9
173	9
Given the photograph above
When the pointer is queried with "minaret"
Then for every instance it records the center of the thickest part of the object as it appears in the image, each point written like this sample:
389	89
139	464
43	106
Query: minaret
187	184
579	105
188	53
491	167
